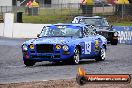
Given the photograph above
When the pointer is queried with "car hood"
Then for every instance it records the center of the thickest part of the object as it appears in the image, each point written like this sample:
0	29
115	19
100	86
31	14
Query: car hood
51	40
104	28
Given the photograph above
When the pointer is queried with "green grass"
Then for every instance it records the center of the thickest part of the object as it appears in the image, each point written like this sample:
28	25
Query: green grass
51	16
123	24
46	19
118	21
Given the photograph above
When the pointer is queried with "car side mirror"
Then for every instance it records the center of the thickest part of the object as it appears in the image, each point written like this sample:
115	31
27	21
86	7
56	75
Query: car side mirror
38	35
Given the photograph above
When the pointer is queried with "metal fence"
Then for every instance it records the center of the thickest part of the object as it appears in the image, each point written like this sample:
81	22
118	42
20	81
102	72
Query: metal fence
123	10
71	9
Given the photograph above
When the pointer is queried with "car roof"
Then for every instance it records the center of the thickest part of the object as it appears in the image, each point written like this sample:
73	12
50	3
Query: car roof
68	24
88	17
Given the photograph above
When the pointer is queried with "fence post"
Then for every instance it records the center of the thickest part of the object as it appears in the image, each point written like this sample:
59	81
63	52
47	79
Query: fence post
1	8
69	8
53	10
61	9
103	9
32	11
113	9
6	8
78	8
95	9
122	11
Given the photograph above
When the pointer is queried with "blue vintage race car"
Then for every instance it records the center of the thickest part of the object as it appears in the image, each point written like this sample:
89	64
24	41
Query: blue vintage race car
64	42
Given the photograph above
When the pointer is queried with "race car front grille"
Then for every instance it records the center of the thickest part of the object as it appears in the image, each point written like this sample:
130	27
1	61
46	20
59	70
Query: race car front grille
32	51
44	48
44	56
33	56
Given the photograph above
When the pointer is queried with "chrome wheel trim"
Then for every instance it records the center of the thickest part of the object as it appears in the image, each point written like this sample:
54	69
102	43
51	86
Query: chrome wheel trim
103	54
76	56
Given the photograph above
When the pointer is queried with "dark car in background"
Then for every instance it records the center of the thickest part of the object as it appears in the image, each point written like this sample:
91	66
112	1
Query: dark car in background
101	25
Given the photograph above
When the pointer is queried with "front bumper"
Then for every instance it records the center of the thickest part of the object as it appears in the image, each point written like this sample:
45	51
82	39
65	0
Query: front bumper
114	38
56	56
49	57
108	35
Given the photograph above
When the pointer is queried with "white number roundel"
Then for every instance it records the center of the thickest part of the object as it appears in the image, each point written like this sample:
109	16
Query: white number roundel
87	47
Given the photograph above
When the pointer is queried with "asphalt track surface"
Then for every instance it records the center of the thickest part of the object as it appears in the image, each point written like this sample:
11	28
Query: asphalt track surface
12	70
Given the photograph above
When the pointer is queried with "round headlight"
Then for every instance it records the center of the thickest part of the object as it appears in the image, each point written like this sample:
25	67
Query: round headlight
65	48
24	47
58	46
31	46
116	34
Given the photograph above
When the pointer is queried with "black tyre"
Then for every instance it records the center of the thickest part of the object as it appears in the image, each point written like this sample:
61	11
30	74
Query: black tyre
102	55
80	80
114	42
29	62
76	57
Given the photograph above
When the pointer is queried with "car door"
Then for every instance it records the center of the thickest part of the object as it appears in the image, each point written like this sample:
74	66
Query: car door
89	43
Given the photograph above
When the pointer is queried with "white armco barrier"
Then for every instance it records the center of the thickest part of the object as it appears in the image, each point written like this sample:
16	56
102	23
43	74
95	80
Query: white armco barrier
8	24
21	30
1	29
25	30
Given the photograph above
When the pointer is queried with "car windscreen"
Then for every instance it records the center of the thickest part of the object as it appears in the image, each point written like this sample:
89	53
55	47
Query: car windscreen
61	31
94	21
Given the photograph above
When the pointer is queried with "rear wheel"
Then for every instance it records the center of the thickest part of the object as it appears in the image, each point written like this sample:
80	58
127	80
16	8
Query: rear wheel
29	62
76	57
102	55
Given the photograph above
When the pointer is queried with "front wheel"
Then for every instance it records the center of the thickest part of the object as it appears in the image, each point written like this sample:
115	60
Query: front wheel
76	57
102	55
29	62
